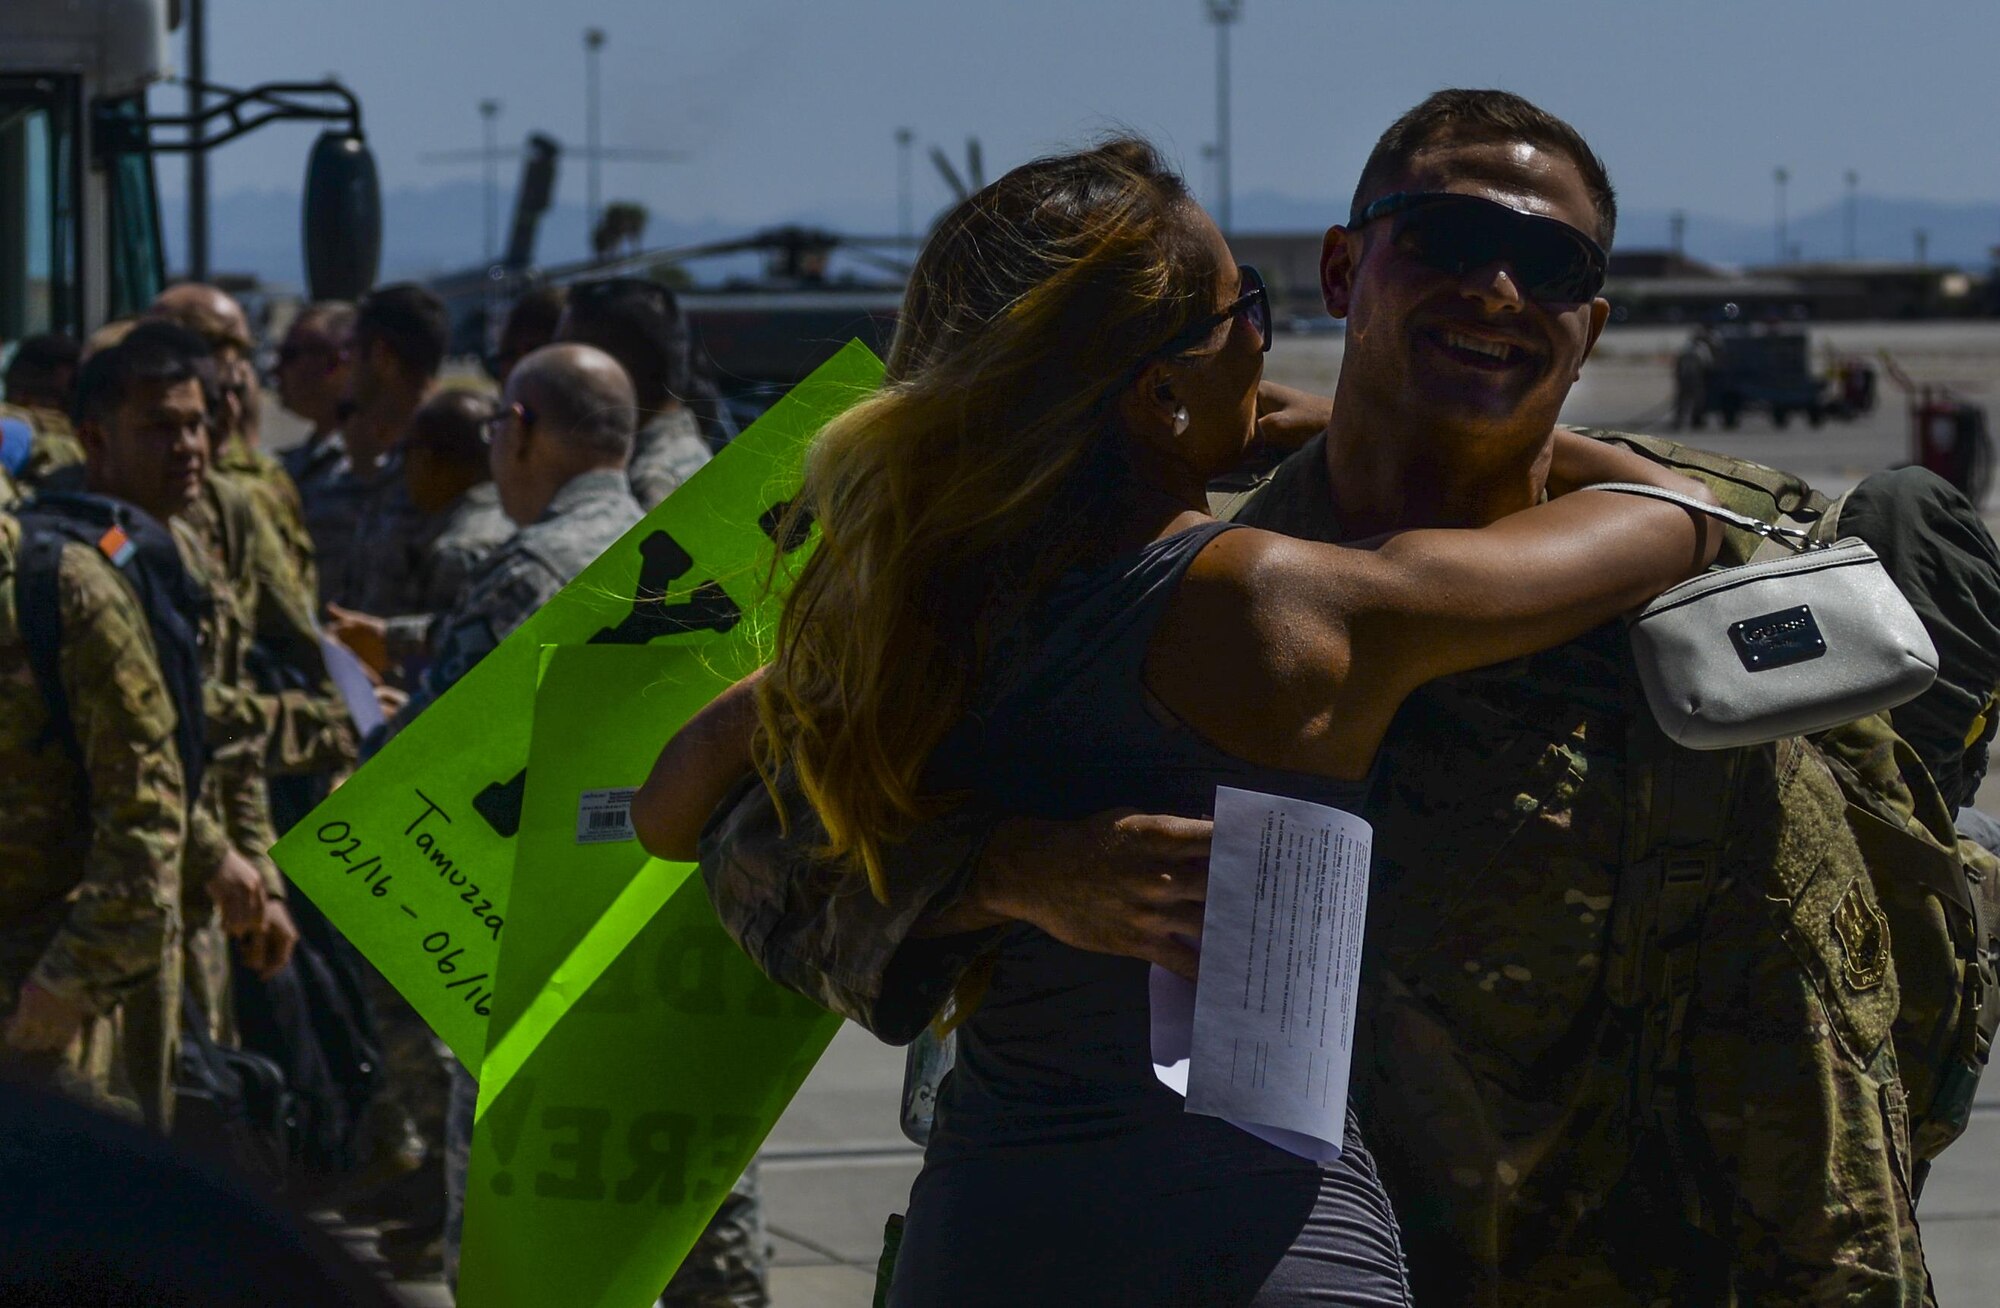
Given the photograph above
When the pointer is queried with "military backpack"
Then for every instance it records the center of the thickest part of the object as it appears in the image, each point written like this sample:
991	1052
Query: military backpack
1938	896
144	554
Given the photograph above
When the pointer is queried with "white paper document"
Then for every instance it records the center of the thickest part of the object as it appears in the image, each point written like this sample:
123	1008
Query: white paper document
350	678
1269	1037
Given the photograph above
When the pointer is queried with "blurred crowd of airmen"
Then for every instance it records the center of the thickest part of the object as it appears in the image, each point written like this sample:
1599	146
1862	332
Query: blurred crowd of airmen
418	523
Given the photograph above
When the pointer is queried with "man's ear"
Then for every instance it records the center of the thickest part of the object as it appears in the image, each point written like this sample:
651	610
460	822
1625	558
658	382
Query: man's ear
1600	313
1338	254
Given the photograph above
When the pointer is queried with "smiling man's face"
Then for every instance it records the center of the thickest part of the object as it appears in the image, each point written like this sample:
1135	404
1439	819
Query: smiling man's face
1472	354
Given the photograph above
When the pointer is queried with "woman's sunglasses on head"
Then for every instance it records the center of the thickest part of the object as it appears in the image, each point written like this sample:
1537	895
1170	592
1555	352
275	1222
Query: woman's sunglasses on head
1552	262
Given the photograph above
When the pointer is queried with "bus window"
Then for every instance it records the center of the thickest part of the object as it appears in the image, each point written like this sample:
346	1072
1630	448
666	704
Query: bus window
136	258
38	188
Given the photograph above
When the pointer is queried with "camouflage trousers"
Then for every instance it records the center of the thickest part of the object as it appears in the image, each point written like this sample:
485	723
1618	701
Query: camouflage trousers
121	1062
416	1081
727	1268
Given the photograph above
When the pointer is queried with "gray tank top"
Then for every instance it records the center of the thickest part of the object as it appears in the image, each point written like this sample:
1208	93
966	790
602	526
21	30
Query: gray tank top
1058	1051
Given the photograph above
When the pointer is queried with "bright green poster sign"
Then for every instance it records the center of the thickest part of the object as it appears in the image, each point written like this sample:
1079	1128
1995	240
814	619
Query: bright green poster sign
653	1057
414	857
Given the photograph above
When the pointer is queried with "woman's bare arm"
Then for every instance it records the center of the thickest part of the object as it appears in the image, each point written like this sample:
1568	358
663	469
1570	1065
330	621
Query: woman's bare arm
1295	654
695	770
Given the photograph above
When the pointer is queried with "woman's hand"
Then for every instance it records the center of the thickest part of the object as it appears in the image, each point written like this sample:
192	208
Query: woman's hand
701	764
1117	882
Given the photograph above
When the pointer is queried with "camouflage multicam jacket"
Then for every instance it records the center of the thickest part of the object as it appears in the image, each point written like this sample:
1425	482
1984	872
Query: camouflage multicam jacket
88	892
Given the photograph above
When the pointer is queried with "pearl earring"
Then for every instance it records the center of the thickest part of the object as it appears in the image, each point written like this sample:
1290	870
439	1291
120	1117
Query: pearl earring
1181	420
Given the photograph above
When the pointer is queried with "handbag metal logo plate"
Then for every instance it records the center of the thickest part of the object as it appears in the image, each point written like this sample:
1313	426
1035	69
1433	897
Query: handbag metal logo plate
1777	640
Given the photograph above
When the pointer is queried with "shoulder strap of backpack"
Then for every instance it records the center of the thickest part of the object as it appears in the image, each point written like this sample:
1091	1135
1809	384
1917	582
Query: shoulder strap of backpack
144	553
37	602
1679	805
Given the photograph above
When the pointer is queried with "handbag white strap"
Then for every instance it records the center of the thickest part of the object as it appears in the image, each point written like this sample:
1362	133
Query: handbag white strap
1788	536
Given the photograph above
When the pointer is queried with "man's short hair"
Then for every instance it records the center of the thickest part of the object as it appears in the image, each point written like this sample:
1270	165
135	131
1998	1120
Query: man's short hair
1470	116
409	320
452	426
333	319
535	314
156	353
204	315
641	323
44	368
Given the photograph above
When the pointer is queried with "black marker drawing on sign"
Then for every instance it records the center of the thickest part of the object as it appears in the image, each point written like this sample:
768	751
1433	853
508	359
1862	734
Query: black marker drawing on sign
663	562
772	521
500	804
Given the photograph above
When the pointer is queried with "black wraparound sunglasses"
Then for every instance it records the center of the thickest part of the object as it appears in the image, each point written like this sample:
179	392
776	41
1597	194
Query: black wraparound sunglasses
1551	261
1251	307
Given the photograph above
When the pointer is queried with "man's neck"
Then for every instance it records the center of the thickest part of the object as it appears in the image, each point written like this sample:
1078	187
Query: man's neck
1390	473
371	435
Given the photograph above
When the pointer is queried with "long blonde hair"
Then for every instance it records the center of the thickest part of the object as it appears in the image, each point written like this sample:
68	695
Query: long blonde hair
986	465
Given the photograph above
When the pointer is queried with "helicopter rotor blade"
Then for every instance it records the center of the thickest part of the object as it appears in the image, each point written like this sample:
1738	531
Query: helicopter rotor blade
895	267
469	156
949	173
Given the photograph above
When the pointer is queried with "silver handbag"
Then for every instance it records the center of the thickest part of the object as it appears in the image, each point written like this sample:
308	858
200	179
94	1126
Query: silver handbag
1784	646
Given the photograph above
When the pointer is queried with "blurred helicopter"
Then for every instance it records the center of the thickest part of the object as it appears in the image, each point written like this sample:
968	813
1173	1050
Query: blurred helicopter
756	334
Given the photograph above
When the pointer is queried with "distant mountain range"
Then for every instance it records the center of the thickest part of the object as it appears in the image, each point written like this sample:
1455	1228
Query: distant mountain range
439	228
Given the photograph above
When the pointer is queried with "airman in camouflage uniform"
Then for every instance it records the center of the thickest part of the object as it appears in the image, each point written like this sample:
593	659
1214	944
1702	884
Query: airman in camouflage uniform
563	477
56	447
668	451
640	324
41	382
449	483
1538	1144
88	892
219	321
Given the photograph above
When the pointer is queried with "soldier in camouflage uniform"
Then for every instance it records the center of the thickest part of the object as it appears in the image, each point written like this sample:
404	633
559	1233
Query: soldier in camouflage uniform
639	323
313	382
41	381
558	460
90	858
446	470
398	344
1539	1147
237	412
143	423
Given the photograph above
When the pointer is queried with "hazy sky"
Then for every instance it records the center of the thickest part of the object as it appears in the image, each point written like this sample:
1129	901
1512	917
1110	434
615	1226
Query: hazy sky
786	105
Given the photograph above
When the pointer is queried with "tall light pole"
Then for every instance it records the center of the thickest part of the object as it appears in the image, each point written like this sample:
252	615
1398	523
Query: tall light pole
1923	239
1677	226
197	100
1853	180
1222	13
488	111
904	226
1781	176
593	41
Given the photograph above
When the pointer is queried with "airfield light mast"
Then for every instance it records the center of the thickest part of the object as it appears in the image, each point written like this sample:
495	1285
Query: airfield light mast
1853	180
904	226
488	111
1781	176
593	42
197	163
1222	13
